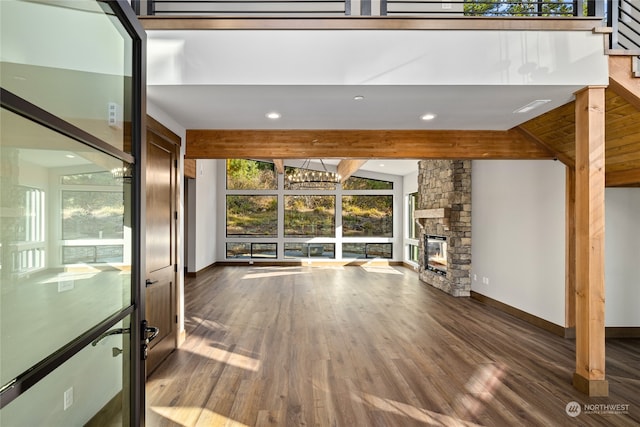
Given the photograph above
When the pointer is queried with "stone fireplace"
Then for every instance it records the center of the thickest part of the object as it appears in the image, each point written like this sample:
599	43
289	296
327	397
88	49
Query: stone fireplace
444	217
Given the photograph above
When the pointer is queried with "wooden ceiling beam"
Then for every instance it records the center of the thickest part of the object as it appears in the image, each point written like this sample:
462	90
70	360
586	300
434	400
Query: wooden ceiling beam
279	163
626	178
347	167
378	144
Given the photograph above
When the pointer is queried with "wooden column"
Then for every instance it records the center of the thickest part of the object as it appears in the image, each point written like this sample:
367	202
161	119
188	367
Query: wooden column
570	253
589	377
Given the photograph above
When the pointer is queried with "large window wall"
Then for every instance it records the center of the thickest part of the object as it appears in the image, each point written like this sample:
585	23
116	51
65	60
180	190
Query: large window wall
268	218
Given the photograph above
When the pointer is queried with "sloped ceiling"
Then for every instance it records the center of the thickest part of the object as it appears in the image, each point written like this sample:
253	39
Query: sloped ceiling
556	131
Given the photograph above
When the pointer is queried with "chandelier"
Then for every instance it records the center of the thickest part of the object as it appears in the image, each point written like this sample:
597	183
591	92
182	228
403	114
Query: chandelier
122	174
305	178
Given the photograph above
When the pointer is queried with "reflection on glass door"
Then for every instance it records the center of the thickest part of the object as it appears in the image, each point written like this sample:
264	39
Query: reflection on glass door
66	236
68	305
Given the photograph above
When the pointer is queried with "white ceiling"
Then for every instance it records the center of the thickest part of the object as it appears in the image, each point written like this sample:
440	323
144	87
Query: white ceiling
469	80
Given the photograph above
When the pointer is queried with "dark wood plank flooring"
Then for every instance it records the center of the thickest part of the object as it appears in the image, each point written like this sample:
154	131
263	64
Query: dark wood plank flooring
368	346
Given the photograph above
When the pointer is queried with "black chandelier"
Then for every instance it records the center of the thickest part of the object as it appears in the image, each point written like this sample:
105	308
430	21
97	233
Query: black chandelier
305	178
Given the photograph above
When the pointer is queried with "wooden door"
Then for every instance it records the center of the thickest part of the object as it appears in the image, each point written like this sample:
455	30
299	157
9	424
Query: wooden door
161	222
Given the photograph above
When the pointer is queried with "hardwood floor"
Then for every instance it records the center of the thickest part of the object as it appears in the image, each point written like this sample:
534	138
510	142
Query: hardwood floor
368	346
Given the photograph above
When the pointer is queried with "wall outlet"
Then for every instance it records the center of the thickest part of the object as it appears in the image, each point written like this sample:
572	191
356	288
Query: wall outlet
68	398
475	277
65	285
446	5
250	262
485	280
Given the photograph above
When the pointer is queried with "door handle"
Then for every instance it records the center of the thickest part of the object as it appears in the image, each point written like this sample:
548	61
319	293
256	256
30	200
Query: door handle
150	282
108	333
150	333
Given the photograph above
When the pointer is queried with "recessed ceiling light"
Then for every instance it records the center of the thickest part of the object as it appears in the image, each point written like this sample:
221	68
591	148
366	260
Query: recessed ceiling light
273	115
70	156
381	165
358	98
428	116
530	106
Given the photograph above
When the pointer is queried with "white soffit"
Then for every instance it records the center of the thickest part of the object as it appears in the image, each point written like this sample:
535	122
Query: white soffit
312	57
471	80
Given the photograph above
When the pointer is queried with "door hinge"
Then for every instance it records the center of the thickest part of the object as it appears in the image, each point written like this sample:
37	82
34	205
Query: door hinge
175	215
175	268
176	318
175	164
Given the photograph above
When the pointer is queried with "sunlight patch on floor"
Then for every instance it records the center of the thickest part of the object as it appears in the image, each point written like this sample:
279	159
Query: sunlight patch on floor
179	414
430	418
481	388
277	273
380	269
230	358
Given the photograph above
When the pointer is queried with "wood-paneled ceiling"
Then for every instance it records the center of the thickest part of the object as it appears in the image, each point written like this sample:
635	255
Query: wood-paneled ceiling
556	129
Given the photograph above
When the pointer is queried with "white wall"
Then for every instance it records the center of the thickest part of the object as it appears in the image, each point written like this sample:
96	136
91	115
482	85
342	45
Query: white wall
518	229
519	241
206	217
622	256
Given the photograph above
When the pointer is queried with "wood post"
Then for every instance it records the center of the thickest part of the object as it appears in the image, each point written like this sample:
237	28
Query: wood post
570	253
589	377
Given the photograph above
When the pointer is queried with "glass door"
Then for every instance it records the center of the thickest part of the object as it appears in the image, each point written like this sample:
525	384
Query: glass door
70	352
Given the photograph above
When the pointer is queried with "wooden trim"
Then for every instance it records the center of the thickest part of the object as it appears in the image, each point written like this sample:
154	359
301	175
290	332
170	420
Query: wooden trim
628	178
371	23
347	167
279	164
162	131
589	376
622	332
379	144
190	168
202	270
622	80
520	314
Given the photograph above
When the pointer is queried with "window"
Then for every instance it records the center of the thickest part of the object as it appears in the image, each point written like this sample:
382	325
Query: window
414	253
367	216
367	250
252	215
411	220
92	215
241	250
309	250
29	232
93	220
357	183
250	175
309	216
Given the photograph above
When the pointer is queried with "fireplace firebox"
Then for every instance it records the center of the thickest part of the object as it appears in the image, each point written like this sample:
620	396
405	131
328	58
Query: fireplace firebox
436	254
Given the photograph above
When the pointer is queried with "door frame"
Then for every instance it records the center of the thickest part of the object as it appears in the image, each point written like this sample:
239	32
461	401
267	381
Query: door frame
173	142
135	91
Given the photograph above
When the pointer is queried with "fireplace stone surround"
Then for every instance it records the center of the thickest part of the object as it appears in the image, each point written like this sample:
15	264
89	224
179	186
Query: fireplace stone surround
444	209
